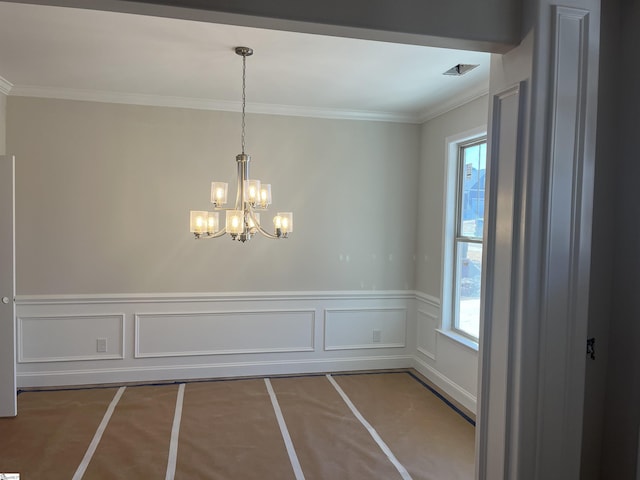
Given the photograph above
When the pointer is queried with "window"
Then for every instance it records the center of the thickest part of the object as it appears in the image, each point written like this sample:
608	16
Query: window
468	237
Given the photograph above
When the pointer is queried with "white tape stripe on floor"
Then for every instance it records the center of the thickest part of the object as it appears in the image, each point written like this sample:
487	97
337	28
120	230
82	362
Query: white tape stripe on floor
297	469
175	433
383	446
98	435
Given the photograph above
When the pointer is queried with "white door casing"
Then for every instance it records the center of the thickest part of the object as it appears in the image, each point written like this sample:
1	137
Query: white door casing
8	401
534	326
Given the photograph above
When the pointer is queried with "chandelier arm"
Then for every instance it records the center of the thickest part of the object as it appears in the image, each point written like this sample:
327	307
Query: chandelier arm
258	227
215	235
264	233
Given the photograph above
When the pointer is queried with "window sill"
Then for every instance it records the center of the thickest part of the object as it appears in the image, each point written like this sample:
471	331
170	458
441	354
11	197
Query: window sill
461	339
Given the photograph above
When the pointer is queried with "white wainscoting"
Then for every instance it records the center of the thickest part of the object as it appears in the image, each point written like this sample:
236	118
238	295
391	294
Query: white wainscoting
223	333
355	328
428	323
451	365
187	336
160	337
68	338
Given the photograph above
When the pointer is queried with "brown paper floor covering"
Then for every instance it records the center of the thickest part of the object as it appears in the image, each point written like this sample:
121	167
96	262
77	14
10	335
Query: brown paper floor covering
229	430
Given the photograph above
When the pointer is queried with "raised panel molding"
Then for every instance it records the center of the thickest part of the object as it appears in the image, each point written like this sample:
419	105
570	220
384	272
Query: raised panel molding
223	333
427	326
68	338
353	328
571	153
504	177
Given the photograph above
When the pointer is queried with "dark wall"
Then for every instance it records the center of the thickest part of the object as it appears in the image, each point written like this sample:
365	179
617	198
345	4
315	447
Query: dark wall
490	25
602	240
622	407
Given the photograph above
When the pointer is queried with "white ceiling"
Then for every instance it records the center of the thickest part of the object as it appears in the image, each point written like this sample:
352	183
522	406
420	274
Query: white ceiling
86	54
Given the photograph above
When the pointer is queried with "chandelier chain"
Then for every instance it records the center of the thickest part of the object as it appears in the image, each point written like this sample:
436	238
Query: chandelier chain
244	81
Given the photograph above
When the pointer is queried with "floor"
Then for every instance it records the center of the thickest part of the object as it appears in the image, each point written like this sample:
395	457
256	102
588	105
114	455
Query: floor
344	426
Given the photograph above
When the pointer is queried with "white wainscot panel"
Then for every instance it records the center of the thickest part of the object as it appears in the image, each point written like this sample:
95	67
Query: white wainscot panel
218	333
70	338
426	342
347	329
458	363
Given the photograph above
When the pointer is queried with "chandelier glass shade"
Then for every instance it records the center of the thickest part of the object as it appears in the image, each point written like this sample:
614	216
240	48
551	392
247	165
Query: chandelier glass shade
242	221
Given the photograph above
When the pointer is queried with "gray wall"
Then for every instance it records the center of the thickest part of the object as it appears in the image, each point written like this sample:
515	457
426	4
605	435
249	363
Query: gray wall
104	193
3	123
431	189
622	407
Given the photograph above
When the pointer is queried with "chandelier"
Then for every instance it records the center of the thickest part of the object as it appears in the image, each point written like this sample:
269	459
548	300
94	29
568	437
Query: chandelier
243	220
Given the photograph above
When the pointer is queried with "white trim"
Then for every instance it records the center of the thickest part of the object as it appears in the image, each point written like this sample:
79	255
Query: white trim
376	437
82	468
452	144
139	316
233	106
159	373
8	325
452	104
175	435
190	297
501	279
455	391
291	451
5	86
207	104
426	353
96	356
426	298
435	322
569	159
461	339
365	346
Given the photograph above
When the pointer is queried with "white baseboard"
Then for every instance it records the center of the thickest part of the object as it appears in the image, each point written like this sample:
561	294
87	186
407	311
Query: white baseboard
202	371
451	388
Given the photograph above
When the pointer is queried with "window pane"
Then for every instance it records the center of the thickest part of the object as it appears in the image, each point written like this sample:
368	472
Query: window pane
474	166
468	280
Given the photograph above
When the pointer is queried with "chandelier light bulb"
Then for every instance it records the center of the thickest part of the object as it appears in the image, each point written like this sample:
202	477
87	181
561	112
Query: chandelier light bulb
219	193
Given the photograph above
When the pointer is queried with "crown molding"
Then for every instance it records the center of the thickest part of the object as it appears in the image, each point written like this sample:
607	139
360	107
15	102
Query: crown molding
329	113
452	104
233	106
204	104
5	86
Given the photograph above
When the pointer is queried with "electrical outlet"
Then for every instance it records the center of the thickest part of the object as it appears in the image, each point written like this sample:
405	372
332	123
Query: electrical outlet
377	335
101	345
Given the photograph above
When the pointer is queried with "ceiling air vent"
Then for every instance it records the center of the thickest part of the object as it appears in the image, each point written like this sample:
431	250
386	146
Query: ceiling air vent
460	69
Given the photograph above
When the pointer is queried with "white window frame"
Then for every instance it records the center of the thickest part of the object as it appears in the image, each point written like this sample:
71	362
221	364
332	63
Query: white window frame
450	207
